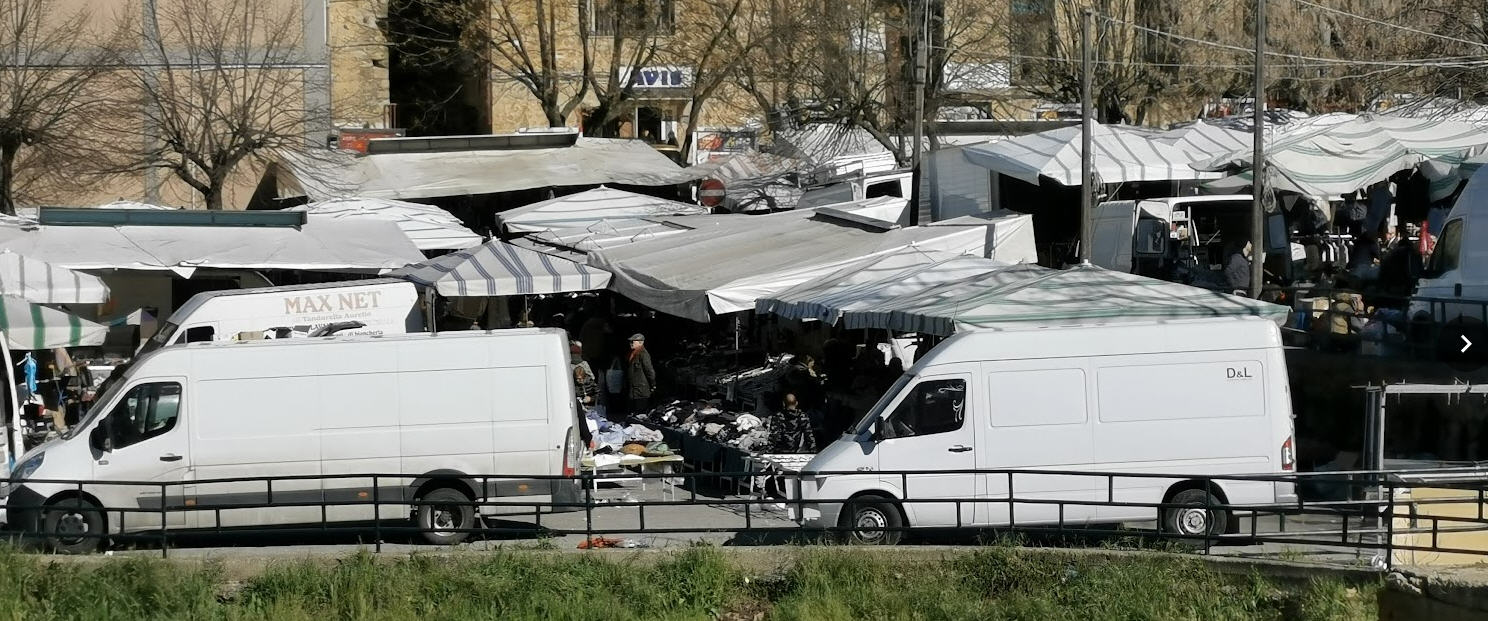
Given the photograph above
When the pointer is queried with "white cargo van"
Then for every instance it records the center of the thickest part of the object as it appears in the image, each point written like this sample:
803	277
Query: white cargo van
1454	287
1189	398
383	305
440	409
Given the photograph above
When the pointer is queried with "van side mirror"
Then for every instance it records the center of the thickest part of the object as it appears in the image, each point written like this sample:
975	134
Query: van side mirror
878	435
99	437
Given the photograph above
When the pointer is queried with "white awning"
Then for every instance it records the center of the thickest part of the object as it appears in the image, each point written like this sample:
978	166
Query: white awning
589	207
30	326
1202	141
323	244
427	226
43	283
1121	155
498	268
590	161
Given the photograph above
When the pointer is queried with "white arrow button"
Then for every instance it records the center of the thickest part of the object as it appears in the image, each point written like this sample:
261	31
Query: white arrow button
1465	347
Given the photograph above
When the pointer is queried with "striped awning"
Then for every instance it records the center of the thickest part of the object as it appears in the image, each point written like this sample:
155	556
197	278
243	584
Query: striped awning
1120	154
499	268
30	326
43	283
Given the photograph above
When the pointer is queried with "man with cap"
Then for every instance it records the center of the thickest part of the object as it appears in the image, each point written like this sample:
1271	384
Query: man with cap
640	376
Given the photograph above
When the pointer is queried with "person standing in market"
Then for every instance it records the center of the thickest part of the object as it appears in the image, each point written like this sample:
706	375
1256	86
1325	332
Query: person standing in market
640	375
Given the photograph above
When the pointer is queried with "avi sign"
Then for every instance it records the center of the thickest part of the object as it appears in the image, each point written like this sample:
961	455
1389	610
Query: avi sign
660	77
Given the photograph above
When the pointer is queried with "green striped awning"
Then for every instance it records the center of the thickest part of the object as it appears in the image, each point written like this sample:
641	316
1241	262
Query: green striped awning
30	326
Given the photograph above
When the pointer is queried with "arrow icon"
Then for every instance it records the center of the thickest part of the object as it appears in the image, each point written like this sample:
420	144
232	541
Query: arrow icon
1465	347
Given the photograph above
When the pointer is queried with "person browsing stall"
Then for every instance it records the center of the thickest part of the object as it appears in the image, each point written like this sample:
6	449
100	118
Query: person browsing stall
640	375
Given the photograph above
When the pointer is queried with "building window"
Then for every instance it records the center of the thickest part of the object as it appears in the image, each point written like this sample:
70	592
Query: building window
633	17
1031	37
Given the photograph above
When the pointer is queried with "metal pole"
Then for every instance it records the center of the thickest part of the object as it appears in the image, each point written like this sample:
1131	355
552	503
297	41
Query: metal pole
1087	121
1258	158
921	67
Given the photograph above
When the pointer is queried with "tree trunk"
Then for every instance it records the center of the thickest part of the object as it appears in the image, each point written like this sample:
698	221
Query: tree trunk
7	179
214	193
554	115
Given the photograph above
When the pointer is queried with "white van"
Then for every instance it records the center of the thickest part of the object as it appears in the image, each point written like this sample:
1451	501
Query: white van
383	305
439	409
1188	398
1454	287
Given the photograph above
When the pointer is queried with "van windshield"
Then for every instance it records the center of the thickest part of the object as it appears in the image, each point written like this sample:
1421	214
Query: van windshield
99	401
876	412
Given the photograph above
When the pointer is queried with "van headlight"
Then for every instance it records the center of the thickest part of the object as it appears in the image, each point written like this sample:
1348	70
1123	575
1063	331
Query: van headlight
27	468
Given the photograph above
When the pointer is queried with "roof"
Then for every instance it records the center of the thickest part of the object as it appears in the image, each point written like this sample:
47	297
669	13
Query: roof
590	161
1149	337
427	226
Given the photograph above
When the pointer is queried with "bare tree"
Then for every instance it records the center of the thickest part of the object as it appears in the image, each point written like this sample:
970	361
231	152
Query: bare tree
219	82
635	32
723	36
48	62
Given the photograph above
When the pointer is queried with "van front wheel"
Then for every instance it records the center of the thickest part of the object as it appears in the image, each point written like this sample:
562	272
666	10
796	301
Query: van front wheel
871	520
73	526
446	516
1195	518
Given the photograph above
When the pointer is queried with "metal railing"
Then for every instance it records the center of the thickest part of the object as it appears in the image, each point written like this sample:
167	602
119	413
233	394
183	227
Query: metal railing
1365	519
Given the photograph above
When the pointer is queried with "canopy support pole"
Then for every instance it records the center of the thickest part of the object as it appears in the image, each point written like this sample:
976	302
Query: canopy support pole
429	304
1258	158
1087	164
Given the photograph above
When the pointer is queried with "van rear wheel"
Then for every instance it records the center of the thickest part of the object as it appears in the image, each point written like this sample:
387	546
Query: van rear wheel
72	526
871	520
1195	518
446	516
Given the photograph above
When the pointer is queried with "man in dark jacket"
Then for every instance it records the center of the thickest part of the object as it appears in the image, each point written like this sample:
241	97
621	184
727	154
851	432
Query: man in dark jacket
640	376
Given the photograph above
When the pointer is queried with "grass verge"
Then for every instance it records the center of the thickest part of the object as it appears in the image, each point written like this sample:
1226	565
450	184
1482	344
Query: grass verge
697	583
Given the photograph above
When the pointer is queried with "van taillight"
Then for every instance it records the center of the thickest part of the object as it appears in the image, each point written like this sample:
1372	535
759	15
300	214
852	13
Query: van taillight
570	454
1288	455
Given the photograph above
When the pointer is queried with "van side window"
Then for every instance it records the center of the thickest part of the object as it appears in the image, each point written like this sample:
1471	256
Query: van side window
885	188
148	410
1448	249
200	334
934	406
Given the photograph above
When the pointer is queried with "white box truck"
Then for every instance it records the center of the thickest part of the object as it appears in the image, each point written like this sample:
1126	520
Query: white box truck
440	409
1187	399
383	305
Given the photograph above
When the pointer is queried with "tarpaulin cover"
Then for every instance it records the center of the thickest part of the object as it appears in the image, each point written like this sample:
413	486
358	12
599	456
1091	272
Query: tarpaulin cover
590	161
43	283
499	268
427	226
589	207
1120	155
321	244
726	266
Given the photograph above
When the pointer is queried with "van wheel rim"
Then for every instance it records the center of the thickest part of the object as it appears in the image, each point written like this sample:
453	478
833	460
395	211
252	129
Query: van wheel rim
1193	522
71	527
444	520
871	524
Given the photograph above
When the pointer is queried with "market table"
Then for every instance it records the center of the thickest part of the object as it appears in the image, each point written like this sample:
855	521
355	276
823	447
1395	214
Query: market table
658	464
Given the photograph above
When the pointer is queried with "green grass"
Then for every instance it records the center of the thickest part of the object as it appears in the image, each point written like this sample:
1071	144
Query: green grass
697	583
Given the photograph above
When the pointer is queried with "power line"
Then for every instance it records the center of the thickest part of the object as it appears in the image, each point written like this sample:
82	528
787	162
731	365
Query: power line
994	55
1461	62
1388	24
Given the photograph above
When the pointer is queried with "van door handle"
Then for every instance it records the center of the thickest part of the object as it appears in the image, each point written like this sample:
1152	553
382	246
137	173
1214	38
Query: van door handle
170	457
959	448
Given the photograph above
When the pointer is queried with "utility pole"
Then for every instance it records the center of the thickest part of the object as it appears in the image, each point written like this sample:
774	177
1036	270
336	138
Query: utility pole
921	67
1087	122
1258	158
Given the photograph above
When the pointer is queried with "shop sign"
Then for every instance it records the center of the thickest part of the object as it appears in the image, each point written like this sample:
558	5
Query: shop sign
661	76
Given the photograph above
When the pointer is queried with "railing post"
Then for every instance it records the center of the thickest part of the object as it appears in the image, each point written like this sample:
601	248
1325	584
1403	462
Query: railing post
376	515
164	524
1390	532
589	510
1209	517
1012	519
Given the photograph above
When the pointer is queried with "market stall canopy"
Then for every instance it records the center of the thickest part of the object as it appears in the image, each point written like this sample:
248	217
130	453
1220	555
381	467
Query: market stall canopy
323	244
590	207
725	266
30	326
866	285
498	268
1337	154
1011	235
427	226
43	283
1202	141
1079	295
590	161
607	234
1120	155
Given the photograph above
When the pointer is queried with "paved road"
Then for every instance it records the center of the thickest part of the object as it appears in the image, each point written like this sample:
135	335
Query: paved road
760	524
